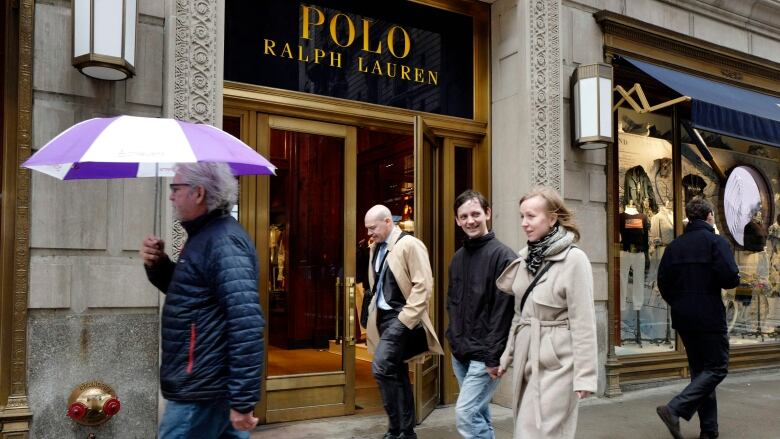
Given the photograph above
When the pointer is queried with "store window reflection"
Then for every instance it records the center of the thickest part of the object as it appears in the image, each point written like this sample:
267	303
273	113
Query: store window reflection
645	222
740	178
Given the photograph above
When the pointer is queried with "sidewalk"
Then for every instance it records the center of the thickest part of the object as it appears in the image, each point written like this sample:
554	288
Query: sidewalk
748	408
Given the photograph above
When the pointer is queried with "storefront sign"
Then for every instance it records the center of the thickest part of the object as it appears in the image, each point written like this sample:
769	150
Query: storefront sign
392	53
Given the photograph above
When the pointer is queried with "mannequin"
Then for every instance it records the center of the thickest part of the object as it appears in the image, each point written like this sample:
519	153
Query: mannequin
634	228
773	241
660	235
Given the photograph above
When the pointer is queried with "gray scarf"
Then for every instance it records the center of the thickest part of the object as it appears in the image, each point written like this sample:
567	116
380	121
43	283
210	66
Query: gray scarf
553	243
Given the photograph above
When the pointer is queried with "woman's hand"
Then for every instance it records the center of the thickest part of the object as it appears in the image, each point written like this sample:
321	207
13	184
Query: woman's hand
583	393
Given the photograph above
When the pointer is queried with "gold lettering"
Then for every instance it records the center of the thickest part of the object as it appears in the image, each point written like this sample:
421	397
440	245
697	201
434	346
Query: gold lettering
391	42
301	54
366	24
332	60
433	77
269	47
361	67
418	74
318	54
350	27
319	21
391	69
405	73
287	51
377	68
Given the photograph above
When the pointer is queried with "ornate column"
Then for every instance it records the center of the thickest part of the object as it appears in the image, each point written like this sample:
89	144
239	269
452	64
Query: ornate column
15	416
197	70
546	98
197	83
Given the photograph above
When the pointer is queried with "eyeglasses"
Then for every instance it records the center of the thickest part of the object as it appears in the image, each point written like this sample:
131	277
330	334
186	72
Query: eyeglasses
176	186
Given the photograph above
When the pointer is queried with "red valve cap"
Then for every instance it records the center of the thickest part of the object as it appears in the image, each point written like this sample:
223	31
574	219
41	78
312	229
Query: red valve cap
77	410
111	407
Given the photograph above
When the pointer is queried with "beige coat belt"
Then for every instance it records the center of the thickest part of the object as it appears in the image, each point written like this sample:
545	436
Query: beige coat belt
533	357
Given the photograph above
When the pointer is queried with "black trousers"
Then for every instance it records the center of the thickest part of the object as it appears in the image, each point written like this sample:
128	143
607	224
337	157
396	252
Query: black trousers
708	360
391	373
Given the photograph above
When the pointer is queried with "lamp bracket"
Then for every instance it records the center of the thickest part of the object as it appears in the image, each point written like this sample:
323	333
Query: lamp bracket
645	107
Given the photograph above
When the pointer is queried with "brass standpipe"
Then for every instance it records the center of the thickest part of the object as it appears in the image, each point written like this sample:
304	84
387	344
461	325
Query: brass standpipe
93	403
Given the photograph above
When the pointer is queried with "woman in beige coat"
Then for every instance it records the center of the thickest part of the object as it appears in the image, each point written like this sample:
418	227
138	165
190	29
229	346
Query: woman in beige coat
552	341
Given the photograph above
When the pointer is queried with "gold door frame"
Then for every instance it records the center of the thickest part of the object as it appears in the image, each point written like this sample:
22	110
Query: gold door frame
449	131
334	392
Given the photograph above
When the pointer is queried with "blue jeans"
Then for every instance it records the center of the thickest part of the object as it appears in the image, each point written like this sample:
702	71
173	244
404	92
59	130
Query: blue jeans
199	419
472	411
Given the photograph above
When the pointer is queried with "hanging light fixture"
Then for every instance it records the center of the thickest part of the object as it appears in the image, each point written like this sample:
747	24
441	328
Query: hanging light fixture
104	38
592	84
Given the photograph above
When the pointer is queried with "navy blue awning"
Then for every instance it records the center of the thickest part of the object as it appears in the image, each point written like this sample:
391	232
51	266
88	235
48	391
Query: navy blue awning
722	108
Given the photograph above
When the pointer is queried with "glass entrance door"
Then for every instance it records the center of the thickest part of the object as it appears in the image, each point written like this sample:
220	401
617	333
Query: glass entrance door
310	264
308	225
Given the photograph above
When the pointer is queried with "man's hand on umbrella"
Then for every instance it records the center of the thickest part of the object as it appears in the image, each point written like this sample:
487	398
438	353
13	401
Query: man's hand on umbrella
152	250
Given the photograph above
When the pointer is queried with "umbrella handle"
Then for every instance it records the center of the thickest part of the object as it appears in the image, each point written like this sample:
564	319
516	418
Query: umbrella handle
157	219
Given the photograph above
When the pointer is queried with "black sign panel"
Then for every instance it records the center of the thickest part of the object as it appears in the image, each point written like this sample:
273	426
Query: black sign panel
388	52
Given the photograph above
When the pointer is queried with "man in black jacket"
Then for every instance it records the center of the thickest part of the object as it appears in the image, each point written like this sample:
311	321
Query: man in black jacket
692	272
212	325
480	315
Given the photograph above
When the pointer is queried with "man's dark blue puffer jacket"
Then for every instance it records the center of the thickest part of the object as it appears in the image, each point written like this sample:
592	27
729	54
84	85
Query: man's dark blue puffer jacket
212	325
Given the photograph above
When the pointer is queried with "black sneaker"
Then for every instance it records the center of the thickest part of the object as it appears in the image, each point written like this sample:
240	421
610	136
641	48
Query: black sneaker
411	435
389	435
708	435
671	421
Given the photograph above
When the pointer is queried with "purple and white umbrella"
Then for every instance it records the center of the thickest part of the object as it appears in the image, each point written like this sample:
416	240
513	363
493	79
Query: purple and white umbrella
130	146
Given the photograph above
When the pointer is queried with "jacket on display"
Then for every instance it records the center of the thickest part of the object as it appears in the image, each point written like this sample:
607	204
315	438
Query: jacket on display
634	232
480	314
552	343
662	227
212	325
693	270
637	187
407	288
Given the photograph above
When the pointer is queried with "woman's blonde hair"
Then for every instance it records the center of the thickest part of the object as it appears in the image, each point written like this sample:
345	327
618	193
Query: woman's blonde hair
555	205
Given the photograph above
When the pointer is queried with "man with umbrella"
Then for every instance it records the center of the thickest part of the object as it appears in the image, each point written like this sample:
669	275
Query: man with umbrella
212	325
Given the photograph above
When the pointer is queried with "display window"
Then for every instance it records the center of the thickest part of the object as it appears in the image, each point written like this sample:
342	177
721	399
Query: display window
741	180
645	223
660	163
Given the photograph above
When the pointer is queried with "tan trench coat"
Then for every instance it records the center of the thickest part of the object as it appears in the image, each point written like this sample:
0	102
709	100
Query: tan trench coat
552	345
409	263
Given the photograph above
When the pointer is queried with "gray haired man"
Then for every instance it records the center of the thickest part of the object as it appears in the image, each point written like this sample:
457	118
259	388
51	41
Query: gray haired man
212	325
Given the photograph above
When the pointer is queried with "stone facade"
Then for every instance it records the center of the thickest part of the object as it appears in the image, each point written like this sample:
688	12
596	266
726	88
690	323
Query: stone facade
92	315
536	45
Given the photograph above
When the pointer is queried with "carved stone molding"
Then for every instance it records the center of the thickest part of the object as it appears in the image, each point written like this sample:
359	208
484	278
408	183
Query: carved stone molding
17	398
195	61
545	62
196	85
629	36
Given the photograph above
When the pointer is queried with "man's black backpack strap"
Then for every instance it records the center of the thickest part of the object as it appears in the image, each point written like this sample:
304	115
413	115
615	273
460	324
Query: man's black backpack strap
368	296
533	283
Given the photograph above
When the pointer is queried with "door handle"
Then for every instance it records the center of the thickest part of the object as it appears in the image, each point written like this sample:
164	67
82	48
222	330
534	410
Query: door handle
339	289
350	284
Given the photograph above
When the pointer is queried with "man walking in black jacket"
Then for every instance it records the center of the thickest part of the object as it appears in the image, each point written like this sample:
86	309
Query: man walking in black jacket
693	270
480	315
212	325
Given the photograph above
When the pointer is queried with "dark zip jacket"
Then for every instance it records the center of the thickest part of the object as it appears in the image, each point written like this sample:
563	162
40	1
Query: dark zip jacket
480	314
693	270
212	325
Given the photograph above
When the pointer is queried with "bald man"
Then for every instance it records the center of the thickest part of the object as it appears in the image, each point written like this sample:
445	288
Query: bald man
399	328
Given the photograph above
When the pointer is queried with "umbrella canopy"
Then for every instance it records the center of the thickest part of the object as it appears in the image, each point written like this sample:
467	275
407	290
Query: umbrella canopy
131	146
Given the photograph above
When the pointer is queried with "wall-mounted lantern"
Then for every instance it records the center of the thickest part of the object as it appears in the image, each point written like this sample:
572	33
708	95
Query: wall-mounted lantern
104	38
592	92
